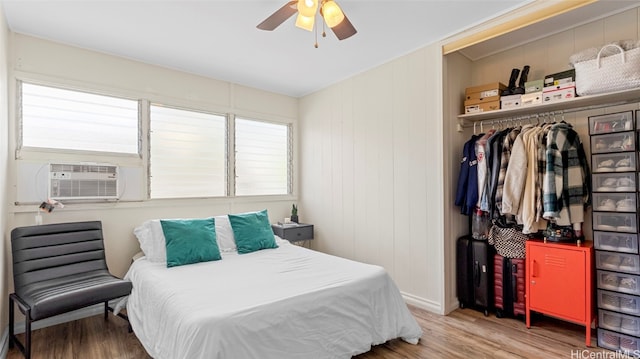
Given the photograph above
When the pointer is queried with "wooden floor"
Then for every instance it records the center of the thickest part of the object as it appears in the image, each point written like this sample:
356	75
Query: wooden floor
465	333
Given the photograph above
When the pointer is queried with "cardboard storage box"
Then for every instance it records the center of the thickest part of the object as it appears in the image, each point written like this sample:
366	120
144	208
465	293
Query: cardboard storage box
533	86
476	101
560	86
533	98
486	90
483	98
560	78
559	93
512	101
482	107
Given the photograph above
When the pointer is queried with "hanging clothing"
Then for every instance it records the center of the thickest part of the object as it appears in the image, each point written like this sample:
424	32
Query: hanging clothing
526	175
494	164
527	210
467	191
507	147
515	175
485	195
567	185
542	168
481	150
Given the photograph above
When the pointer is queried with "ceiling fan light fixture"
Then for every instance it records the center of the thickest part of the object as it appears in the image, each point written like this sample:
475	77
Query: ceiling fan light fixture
305	22
307	8
332	13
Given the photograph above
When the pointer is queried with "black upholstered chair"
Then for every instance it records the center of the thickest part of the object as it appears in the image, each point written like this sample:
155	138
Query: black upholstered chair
58	268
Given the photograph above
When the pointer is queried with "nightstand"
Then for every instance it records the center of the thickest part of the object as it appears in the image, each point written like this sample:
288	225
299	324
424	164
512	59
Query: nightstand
293	233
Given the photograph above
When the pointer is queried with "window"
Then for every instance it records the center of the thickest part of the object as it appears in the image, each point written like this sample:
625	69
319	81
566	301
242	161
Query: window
187	153
262	153
72	120
191	153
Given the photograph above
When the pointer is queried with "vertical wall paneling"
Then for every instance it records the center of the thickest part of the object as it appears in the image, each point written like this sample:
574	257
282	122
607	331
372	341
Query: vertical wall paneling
387	164
4	163
316	117
421	229
554	51
401	170
429	176
347	173
622	26
332	167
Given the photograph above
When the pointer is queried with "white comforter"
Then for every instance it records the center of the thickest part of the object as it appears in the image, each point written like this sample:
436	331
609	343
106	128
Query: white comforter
288	302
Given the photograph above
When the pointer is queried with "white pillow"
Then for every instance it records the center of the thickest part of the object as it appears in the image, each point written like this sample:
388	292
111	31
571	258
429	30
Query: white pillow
153	244
151	239
224	234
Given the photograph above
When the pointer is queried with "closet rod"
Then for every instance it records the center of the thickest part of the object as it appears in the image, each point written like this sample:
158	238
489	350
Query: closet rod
544	116
498	119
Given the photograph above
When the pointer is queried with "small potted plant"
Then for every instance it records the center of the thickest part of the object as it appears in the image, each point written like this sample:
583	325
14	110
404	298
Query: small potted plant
294	214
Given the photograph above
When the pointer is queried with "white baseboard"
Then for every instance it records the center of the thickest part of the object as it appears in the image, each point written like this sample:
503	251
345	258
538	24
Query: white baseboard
423	303
4	345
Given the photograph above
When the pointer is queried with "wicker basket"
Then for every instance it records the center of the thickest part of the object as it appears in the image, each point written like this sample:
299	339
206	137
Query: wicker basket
608	74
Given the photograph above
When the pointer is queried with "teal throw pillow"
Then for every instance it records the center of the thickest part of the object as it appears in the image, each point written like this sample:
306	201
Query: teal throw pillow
252	231
190	241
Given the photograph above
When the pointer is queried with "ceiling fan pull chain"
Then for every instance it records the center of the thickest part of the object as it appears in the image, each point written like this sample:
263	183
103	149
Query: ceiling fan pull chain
324	30
315	27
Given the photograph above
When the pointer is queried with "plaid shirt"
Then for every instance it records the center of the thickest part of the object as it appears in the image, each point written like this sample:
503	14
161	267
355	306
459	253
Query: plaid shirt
542	168
567	185
507	146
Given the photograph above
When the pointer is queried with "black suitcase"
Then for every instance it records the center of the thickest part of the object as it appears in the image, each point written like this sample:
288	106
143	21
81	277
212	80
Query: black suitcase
464	276
474	273
509	286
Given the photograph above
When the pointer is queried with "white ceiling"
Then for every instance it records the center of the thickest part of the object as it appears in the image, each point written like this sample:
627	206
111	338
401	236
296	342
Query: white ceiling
219	39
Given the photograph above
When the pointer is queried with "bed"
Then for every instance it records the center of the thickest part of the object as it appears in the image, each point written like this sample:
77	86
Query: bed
280	302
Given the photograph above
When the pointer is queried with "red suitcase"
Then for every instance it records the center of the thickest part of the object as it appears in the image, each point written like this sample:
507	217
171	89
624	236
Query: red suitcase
509	286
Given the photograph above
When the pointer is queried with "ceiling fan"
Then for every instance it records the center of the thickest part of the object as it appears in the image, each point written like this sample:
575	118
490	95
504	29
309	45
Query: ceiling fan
306	9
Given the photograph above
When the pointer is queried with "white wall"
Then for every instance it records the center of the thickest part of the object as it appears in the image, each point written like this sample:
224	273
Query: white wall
53	63
371	169
4	164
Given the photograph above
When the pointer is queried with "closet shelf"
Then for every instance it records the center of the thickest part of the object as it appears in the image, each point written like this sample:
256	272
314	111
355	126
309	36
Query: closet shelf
572	105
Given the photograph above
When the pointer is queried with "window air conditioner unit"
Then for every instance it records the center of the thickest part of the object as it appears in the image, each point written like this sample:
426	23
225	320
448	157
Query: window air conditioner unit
83	181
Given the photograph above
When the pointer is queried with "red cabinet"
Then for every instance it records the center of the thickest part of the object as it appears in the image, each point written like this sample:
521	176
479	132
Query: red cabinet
560	282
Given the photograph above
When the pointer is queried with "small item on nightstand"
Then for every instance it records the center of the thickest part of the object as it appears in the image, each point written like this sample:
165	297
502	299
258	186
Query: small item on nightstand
294	213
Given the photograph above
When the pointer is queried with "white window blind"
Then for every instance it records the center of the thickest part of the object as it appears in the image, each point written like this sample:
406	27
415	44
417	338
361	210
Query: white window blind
262	152
73	120
187	153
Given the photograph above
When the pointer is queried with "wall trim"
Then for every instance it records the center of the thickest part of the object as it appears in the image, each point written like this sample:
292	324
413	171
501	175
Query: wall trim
4	345
532	13
422	303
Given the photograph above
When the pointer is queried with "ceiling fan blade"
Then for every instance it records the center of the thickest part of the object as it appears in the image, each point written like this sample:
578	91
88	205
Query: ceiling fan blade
344	29
278	17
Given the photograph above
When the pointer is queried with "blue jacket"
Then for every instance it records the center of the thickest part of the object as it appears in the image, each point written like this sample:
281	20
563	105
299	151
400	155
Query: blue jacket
467	192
